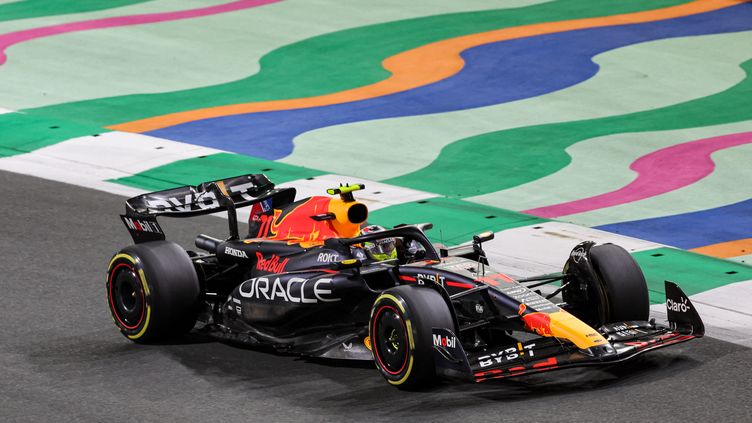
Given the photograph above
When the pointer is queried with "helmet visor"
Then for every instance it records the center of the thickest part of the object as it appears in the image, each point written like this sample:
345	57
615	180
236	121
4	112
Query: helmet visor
383	249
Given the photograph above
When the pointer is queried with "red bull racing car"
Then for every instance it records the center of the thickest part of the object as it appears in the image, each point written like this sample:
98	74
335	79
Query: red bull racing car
307	279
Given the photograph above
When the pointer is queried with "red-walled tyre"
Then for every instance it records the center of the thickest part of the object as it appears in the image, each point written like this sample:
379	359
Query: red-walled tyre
153	291
400	330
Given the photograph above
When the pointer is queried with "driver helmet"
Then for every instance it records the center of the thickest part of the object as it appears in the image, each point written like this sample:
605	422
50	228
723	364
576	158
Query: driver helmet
380	249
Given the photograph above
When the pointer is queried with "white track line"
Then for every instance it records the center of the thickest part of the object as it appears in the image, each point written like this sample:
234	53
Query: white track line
544	247
376	195
90	161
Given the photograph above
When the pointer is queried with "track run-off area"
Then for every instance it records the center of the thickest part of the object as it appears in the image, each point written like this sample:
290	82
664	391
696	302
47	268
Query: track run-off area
547	122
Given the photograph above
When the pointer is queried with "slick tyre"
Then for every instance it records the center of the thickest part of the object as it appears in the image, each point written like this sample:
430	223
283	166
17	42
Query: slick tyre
400	330
622	282
152	291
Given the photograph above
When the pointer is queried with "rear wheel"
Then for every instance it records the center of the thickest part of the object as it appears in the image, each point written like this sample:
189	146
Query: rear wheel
400	328
153	291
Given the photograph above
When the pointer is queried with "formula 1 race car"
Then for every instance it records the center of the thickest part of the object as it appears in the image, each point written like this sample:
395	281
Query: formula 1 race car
307	279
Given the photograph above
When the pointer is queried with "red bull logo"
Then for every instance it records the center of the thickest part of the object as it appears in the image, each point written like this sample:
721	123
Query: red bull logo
271	265
536	322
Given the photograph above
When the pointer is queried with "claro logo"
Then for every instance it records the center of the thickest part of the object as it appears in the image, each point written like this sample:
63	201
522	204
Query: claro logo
681	307
293	290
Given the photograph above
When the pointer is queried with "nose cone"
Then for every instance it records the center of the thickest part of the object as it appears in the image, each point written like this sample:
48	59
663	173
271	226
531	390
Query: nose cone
539	323
563	325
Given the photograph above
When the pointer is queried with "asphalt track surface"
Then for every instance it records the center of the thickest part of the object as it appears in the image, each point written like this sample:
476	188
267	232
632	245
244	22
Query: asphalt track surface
61	357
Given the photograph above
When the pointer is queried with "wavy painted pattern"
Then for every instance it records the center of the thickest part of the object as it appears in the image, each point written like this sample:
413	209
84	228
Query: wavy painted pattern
625	78
422	66
27	9
691	230
393	67
610	157
659	172
485	79
13	38
330	57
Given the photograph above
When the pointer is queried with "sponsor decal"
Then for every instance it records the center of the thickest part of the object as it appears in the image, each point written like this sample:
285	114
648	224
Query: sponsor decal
448	346
202	200
536	322
507	354
455	263
272	264
188	202
444	341
435	278
578	254
235	252
681	307
626	330
327	257
266	205
359	254
479	308
526	296
260	208
142	225
293	290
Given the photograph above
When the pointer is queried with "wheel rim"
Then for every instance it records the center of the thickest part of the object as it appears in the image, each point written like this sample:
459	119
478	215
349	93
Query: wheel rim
390	340
126	296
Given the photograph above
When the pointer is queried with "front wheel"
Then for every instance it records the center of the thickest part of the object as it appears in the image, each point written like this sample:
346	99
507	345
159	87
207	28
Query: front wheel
623	282
400	329
152	291
609	285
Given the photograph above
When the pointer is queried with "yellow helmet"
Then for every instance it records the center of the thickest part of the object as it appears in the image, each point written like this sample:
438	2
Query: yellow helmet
380	249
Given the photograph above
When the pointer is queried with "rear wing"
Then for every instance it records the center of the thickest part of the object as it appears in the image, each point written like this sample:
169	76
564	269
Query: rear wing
206	198
187	201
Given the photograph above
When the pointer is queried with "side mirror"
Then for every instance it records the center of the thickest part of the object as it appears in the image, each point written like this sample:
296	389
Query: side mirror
483	237
479	239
